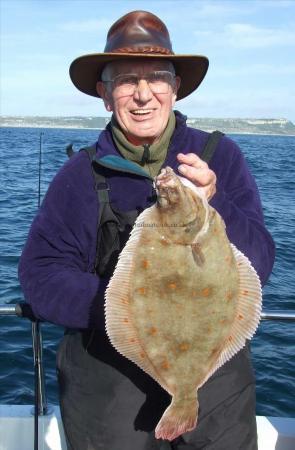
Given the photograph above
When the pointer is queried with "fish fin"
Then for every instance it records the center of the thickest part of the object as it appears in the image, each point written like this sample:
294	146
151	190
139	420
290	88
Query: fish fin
119	326
198	255
177	419
248	312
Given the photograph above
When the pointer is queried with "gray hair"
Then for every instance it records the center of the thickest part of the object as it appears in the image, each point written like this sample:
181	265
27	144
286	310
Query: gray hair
108	68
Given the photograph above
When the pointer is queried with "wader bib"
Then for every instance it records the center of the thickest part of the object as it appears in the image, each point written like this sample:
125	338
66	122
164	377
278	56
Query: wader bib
109	403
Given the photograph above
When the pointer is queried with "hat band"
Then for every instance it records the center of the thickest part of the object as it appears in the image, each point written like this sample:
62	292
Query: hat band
159	50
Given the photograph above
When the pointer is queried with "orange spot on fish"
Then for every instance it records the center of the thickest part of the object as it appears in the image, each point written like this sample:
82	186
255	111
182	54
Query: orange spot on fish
153	331
240	317
215	350
230	338
125	320
228	260
245	292
206	292
229	296
141	290
223	321
184	346
132	340
172	285
164	241
145	264
142	354
165	365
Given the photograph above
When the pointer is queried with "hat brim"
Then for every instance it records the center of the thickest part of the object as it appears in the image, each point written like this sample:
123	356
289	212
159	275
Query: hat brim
86	70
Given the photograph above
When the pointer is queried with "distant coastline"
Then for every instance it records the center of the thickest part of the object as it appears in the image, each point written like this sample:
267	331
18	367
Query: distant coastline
228	125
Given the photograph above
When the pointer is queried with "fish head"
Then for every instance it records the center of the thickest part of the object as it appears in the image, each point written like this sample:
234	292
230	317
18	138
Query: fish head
181	205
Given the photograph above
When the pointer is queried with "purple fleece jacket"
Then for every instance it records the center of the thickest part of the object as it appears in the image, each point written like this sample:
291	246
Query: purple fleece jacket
57	262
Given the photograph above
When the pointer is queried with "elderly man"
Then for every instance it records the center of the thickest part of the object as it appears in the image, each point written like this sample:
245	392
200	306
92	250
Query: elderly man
106	401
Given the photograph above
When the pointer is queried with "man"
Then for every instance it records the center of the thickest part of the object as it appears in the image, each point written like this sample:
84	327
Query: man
106	401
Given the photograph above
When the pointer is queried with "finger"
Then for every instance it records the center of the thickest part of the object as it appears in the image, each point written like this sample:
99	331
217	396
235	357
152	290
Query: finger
198	175
191	159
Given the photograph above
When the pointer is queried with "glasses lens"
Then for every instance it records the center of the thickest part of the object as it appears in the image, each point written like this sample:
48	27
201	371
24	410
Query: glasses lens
125	84
160	81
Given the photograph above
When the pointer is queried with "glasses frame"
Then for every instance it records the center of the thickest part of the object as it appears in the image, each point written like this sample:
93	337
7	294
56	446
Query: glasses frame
144	77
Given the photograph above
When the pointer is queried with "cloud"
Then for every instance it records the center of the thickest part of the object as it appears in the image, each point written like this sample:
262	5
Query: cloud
244	35
87	26
247	36
271	70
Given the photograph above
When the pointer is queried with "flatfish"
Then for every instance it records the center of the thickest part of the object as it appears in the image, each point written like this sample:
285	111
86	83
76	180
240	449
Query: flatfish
182	300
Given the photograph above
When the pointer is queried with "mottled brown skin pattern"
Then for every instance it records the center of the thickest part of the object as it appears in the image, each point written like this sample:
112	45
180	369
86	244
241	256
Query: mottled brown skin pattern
183	297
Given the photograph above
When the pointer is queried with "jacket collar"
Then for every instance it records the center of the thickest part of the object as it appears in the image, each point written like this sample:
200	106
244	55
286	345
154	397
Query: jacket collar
107	154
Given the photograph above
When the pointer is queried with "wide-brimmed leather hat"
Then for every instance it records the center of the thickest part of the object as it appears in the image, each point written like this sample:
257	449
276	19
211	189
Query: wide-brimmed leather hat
138	34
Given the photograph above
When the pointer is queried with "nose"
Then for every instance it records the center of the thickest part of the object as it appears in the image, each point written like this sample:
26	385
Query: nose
143	93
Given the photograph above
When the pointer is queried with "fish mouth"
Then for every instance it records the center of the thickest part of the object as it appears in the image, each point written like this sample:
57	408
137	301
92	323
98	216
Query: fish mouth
167	188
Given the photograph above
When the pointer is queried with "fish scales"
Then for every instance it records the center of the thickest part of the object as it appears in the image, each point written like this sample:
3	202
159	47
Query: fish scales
182	300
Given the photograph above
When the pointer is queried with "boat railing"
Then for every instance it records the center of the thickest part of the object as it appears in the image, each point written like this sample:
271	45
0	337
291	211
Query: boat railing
273	314
23	310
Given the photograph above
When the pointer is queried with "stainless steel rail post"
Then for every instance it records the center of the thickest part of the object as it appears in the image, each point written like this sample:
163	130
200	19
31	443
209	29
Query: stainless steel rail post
15	310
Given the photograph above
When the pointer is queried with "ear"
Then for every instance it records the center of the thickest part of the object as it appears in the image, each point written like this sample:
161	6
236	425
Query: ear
177	83
105	95
176	87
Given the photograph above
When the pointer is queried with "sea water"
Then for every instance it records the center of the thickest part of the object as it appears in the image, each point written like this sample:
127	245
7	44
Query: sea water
271	160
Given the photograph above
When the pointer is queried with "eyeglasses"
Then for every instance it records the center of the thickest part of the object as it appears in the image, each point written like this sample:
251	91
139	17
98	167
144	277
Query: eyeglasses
158	81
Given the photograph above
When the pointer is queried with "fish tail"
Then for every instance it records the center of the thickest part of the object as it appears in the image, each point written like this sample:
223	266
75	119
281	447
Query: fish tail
180	417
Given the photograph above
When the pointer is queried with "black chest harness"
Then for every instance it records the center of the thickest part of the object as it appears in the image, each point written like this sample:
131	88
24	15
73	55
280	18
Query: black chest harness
114	226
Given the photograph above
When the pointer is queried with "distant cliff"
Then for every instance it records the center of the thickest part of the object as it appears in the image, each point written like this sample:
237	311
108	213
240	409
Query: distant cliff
247	126
232	126
53	122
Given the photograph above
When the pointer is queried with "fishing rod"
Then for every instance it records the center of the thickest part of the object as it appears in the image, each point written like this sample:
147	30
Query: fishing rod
40	403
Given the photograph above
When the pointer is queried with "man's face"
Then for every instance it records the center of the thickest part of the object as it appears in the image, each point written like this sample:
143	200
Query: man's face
142	115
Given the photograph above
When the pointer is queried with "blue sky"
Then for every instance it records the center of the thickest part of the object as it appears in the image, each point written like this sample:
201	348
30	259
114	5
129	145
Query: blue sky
250	45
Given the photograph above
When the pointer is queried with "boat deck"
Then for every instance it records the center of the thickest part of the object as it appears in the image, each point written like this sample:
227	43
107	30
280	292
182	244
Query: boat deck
17	428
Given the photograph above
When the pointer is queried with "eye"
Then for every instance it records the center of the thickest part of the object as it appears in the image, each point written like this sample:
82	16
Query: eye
160	77
123	80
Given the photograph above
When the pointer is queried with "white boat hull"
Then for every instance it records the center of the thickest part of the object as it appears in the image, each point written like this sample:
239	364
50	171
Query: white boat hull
17	430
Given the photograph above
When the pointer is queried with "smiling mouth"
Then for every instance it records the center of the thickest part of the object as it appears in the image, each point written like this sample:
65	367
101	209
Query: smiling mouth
141	112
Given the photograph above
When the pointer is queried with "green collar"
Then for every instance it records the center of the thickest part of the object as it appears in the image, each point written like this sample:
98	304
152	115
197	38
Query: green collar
147	158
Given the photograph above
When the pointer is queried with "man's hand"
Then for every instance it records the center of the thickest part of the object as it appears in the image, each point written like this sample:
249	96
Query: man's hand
197	171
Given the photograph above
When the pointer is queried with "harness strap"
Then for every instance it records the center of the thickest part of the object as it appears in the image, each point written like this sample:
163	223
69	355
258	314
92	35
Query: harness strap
101	186
211	144
102	189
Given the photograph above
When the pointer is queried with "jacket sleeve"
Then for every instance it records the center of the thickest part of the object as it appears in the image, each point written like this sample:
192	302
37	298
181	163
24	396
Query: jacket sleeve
237	201
57	260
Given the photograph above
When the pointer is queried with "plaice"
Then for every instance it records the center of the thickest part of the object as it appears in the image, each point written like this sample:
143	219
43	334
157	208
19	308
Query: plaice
182	300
